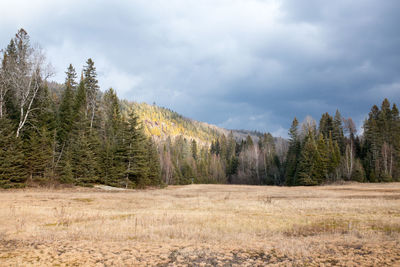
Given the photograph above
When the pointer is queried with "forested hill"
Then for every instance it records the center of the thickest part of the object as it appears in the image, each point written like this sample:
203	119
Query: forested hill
161	123
73	133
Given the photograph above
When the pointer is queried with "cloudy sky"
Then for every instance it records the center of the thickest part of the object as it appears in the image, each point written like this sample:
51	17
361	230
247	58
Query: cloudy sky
239	64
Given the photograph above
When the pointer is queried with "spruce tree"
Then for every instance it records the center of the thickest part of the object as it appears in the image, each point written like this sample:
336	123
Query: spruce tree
154	164
66	109
82	157
12	171
323	159
39	138
66	170
333	158
292	154
326	125
337	133
92	89
309	172
137	166
38	155
111	139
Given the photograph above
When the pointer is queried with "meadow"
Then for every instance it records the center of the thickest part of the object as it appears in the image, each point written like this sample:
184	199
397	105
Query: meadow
202	225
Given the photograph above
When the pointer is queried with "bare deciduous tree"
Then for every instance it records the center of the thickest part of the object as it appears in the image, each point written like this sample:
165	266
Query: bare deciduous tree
26	71
349	161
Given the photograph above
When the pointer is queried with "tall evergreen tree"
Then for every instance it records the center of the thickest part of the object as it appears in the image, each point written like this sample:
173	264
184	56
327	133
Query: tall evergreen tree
326	125
12	171
293	154
137	166
66	109
337	133
82	156
154	164
92	89
309	171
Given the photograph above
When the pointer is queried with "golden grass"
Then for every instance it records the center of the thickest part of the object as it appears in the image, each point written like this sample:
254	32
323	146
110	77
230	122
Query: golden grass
202	224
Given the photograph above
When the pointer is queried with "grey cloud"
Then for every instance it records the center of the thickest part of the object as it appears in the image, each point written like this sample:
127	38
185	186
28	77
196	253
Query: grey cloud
226	62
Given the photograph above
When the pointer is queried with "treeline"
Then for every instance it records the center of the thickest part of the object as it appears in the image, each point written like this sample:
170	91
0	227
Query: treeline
75	134
81	138
314	154
334	151
226	160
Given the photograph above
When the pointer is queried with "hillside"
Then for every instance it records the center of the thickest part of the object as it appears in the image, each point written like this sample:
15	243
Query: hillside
162	123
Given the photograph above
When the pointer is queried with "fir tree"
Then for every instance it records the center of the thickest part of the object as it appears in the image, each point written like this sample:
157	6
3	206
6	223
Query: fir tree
92	88
323	159
337	133
308	169
293	154
66	110
326	125
137	166
38	155
12	171
154	164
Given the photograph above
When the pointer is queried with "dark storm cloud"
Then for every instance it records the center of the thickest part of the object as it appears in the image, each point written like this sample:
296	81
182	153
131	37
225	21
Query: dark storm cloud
239	64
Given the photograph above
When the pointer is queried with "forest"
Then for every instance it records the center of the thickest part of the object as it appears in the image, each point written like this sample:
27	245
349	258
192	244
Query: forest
76	134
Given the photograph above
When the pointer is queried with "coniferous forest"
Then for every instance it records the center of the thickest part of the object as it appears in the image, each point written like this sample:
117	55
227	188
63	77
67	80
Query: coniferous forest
75	133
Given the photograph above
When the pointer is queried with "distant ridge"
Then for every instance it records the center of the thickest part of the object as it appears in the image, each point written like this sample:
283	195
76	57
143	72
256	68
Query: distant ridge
161	123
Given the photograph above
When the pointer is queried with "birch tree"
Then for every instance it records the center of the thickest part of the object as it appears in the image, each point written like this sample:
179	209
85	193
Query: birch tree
3	84
349	161
25	70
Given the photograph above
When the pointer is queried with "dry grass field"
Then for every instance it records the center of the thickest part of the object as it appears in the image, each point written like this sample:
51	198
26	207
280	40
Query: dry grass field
202	225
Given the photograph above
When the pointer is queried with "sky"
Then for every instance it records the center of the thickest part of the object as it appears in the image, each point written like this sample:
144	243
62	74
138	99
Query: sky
238	64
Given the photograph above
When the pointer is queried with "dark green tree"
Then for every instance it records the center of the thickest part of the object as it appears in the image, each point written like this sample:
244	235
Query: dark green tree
293	154
137	165
337	133
154	164
66	109
308	166
326	125
12	171
92	89
194	149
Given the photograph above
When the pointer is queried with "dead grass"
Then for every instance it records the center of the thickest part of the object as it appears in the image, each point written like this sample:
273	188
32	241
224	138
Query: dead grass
350	224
